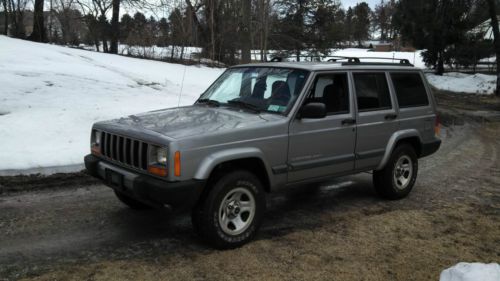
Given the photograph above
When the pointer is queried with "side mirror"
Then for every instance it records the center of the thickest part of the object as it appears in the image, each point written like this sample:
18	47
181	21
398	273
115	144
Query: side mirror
313	110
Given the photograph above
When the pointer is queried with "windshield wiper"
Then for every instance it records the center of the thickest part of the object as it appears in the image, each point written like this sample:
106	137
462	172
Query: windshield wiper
209	102
245	105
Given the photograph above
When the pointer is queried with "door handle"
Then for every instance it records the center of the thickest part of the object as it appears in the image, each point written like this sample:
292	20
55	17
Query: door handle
349	121
391	116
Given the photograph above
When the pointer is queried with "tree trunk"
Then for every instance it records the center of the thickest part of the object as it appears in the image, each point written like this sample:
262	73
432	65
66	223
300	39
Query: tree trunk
105	46
115	27
440	66
20	31
6	17
50	32
496	39
246	35
38	33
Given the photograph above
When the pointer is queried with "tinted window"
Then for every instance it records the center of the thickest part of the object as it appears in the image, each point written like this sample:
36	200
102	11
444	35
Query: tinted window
333	91
410	89
372	91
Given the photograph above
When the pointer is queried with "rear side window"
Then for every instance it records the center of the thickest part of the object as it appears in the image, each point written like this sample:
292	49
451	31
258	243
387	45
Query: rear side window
372	91
410	89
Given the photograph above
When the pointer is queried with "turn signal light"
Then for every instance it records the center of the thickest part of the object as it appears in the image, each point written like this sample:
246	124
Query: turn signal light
177	164
96	150
157	170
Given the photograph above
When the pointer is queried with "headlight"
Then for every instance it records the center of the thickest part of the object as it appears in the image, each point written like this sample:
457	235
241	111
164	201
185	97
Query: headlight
95	141
158	161
97	138
161	156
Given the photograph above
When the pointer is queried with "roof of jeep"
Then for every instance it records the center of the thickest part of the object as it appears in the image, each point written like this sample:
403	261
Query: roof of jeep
318	66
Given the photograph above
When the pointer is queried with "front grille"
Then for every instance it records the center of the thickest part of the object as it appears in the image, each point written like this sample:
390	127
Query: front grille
127	151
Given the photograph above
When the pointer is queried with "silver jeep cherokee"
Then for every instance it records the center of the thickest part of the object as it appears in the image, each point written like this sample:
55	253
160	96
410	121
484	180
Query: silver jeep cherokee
262	127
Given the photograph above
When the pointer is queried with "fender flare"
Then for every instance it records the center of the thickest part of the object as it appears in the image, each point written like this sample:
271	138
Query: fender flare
211	161
393	140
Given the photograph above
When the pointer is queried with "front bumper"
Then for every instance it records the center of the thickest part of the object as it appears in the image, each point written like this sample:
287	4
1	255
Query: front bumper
147	189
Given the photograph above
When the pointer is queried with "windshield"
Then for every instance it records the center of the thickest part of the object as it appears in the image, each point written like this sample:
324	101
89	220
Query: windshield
258	88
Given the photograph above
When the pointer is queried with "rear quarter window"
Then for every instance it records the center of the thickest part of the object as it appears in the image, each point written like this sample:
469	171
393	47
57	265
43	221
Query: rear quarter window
410	89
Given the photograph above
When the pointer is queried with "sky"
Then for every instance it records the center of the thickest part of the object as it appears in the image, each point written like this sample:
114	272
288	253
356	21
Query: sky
352	3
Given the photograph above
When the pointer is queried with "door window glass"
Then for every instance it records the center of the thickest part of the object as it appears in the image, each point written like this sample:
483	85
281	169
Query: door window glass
333	91
372	91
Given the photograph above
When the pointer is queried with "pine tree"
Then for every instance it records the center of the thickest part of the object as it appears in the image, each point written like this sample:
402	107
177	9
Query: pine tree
361	22
433	25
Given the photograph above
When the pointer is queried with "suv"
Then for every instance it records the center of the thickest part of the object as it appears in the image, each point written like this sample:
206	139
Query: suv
262	127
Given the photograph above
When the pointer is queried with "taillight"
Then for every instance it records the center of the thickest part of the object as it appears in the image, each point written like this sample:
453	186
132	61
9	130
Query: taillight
437	125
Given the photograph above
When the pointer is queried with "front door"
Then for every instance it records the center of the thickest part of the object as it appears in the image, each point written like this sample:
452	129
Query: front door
377	119
324	147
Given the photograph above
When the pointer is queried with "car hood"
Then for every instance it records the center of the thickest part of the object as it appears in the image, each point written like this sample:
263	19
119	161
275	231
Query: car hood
193	120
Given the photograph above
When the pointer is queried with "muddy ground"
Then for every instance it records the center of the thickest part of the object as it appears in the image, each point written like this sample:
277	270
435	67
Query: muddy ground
72	228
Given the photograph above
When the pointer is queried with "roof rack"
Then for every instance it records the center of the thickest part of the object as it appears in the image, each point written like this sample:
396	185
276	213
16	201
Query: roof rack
400	62
357	60
349	59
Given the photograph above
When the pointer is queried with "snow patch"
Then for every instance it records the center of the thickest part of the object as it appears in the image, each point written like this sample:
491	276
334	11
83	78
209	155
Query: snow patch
480	84
50	96
471	272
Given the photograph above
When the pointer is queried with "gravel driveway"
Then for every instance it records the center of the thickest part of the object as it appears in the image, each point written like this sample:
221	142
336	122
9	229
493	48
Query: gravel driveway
336	231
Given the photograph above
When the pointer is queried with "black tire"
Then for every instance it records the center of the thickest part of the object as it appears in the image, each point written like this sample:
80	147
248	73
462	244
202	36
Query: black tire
386	181
132	203
207	216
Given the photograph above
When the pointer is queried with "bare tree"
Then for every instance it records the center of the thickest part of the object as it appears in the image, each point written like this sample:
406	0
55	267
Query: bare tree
496	38
16	9
95	20
246	35
263	11
115	27
6	17
39	33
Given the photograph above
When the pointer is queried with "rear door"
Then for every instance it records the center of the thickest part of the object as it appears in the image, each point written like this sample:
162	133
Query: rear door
414	102
324	147
377	117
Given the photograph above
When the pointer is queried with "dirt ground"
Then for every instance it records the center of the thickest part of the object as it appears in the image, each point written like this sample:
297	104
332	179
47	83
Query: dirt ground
74	229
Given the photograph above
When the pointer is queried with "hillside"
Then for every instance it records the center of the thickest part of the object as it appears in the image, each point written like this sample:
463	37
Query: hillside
51	95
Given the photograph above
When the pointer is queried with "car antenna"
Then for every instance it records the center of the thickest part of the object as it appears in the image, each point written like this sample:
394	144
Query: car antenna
182	86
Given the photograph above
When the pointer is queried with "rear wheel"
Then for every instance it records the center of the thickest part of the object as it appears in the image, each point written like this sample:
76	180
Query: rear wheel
231	213
131	202
396	180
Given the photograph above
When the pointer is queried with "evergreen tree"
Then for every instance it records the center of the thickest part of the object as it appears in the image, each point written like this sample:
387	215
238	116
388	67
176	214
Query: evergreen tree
361	22
126	25
433	25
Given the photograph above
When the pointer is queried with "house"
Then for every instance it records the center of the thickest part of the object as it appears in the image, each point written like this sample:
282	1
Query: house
484	29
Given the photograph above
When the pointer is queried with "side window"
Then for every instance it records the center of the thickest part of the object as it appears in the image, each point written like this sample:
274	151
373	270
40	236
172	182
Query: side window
410	89
372	91
333	91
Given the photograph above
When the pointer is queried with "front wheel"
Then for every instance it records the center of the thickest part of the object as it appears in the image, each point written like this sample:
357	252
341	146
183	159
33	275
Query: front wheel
231	213
397	178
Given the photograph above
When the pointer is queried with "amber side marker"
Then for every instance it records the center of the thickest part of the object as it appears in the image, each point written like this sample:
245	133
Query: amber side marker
177	164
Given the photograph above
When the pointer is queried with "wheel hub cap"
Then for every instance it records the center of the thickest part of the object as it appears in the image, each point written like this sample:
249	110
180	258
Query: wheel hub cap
237	211
403	172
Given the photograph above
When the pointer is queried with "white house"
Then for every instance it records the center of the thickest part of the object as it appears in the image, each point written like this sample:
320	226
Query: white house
485	29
